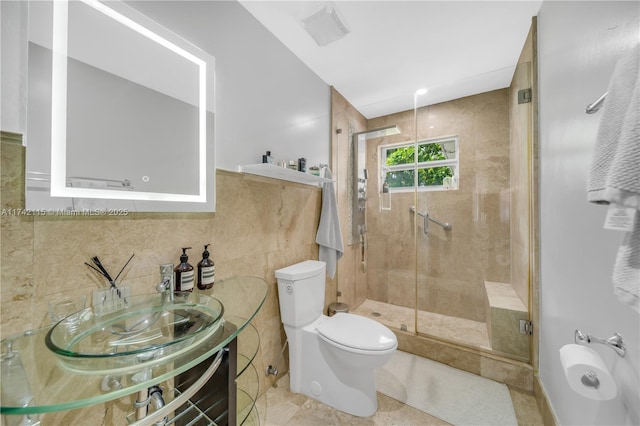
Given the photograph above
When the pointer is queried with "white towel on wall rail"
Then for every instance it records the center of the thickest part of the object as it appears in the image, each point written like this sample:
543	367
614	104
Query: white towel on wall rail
329	236
615	169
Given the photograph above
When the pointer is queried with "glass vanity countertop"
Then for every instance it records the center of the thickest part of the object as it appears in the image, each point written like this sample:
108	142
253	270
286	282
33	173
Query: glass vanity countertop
34	380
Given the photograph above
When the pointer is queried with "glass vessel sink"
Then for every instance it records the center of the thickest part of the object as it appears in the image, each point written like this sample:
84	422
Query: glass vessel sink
50	388
149	330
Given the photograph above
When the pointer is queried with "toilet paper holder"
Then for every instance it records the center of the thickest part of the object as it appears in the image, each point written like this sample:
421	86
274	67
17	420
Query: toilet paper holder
615	342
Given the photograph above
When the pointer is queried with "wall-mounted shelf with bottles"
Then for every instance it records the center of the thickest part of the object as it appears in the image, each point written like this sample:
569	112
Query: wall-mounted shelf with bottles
282	173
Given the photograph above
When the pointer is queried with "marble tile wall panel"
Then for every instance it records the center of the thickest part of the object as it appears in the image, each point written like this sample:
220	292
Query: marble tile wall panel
351	280
524	172
520	136
16	240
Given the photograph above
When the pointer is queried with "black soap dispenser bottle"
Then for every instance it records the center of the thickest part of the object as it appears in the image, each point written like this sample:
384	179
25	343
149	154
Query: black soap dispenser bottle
206	270
184	273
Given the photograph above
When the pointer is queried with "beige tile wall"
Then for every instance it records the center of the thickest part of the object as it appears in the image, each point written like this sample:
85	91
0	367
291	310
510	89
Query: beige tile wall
521	148
350	280
260	225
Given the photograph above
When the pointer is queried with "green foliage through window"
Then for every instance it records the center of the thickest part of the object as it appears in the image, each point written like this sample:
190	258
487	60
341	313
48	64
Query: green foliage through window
428	176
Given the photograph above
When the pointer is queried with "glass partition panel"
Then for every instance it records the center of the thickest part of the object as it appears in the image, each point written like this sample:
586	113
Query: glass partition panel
471	247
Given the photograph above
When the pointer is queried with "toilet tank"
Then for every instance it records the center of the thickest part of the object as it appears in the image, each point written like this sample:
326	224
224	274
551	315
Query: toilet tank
301	292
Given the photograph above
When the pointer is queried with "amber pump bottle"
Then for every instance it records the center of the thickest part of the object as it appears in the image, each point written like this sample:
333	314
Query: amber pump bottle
206	270
184	273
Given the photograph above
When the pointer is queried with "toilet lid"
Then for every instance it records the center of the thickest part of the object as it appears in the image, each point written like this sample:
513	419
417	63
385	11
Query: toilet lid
358	332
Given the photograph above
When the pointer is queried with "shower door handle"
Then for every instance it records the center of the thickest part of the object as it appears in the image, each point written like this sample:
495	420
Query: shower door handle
446	226
425	215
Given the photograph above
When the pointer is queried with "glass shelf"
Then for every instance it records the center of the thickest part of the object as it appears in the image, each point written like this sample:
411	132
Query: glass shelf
253	419
50	387
245	406
248	344
248	385
190	413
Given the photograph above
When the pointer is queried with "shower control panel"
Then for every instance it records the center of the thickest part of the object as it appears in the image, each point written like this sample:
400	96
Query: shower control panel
362	190
361	203
359	191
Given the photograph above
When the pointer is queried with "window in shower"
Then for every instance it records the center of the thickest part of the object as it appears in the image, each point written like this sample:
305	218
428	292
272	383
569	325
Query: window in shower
438	165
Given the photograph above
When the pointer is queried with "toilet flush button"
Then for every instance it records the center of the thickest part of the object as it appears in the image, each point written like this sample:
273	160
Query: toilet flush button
316	388
289	288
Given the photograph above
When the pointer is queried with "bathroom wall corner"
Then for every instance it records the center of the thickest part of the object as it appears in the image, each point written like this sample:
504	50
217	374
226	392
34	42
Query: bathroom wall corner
350	281
546	411
17	236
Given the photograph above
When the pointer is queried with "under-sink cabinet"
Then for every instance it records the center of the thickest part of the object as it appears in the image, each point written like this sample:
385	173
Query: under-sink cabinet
211	381
228	397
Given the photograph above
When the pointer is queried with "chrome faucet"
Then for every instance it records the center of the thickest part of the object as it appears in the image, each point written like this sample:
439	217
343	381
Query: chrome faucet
167	284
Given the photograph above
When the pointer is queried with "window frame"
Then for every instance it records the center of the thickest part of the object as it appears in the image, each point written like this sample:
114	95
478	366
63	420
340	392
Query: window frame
454	163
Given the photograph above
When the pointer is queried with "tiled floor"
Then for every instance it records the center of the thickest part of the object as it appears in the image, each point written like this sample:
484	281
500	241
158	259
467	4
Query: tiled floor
461	330
280	407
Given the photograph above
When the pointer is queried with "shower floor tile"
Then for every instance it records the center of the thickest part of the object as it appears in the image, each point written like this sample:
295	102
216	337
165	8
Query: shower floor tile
455	329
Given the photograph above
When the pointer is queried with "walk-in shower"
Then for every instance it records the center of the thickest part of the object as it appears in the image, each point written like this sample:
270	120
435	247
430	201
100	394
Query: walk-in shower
446	259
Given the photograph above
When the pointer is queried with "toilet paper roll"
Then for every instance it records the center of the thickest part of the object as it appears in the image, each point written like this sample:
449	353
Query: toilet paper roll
586	373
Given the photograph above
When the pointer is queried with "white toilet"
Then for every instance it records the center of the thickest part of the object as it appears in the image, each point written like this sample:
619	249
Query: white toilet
332	359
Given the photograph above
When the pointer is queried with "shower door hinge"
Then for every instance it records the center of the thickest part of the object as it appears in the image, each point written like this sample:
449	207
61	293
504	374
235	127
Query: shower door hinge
524	96
526	327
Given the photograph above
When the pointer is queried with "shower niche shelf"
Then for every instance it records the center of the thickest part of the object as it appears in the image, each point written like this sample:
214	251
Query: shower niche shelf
282	173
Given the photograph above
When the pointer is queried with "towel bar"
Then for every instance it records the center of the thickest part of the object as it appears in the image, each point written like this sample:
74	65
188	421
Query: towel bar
595	106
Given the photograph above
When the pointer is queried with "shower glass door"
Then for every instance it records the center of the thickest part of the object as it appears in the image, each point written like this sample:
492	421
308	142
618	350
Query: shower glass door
472	223
448	246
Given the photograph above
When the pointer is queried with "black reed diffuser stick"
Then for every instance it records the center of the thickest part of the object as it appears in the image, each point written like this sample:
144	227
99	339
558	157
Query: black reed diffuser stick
125	265
103	271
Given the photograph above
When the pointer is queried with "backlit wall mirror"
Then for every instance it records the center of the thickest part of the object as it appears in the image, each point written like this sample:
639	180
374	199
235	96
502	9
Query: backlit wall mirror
120	112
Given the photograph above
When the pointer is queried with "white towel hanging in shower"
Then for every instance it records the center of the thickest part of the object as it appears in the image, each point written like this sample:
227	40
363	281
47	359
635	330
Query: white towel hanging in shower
329	236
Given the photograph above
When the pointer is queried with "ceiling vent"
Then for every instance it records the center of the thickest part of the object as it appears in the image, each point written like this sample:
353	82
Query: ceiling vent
325	26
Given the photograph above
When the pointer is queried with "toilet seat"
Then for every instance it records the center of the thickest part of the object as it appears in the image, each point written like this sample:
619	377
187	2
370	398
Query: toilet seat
356	333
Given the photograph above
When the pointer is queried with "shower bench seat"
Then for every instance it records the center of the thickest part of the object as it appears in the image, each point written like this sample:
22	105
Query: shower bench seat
504	310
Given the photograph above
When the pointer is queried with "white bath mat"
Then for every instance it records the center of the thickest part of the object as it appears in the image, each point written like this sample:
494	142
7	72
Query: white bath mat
452	395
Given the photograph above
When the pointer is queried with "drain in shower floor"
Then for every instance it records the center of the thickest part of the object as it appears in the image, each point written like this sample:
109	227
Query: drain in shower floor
376	314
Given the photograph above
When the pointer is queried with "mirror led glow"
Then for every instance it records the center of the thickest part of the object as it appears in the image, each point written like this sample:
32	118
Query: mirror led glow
59	186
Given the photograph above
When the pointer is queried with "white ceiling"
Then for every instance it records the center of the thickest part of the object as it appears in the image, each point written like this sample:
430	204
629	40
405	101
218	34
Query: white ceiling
452	48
